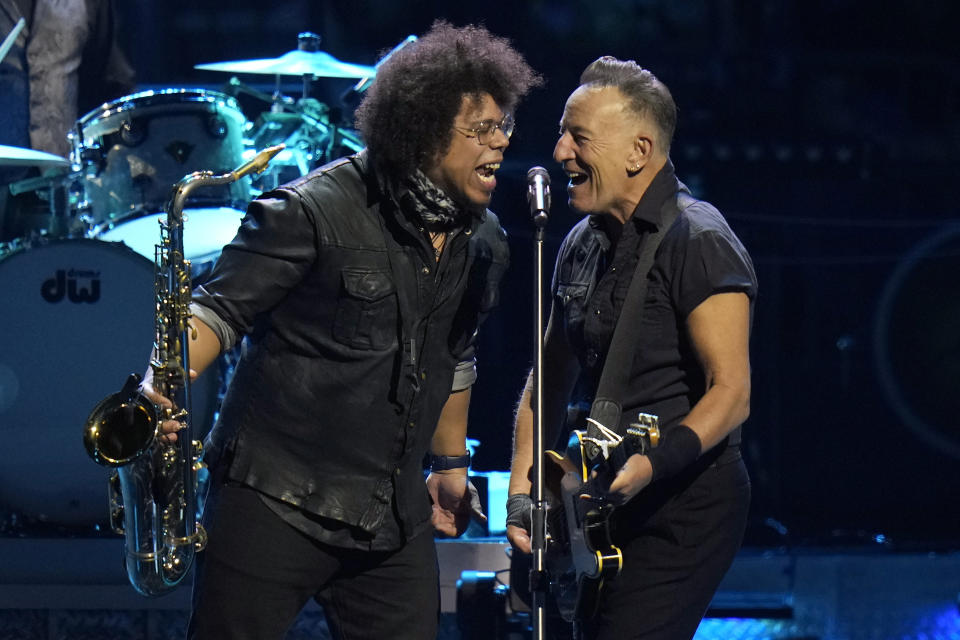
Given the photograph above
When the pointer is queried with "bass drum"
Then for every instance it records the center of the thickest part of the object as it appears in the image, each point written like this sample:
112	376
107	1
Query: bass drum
206	230
82	321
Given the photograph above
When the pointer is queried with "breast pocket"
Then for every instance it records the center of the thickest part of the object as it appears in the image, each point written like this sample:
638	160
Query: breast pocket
366	310
573	298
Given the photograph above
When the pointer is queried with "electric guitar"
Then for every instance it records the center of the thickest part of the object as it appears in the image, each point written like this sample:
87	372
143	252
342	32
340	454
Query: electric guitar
580	555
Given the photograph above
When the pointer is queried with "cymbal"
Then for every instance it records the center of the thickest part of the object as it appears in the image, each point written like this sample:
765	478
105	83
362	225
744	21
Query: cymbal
20	157
295	63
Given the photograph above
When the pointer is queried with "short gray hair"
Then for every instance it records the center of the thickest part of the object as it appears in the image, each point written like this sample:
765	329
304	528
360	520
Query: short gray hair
646	95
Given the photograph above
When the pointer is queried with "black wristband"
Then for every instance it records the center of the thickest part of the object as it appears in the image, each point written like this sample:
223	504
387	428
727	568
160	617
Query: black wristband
678	447
445	463
518	510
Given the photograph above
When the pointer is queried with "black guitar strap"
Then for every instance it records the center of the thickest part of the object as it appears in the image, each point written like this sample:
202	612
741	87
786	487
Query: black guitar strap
607	408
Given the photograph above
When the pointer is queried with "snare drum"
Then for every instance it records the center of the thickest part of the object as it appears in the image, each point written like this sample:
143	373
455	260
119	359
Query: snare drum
134	149
78	319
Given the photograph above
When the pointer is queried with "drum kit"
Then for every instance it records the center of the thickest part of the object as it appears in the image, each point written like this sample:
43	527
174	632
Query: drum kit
78	276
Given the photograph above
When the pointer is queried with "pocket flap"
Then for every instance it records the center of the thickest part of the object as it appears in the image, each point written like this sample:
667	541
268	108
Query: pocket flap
569	291
367	285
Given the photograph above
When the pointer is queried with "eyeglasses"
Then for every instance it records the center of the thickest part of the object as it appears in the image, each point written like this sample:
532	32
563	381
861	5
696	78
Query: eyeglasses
485	129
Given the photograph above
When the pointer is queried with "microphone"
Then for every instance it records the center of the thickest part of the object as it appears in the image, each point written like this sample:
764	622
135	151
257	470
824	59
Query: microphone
538	194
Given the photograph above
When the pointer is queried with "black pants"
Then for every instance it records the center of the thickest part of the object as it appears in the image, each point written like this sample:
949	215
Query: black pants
678	539
258	572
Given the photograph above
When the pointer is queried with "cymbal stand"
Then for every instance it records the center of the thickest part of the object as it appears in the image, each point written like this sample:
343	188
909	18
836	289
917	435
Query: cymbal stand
277	101
307	41
11	38
352	94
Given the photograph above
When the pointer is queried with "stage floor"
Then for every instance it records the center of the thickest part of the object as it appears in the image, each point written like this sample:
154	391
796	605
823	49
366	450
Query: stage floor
59	588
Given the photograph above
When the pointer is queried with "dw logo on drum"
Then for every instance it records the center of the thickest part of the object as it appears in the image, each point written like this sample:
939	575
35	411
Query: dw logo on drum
65	284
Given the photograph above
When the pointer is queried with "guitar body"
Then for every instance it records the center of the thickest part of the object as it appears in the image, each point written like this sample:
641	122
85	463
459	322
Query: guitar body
580	554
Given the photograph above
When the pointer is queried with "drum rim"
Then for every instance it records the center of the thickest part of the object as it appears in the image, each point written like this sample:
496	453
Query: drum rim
45	241
114	223
155	98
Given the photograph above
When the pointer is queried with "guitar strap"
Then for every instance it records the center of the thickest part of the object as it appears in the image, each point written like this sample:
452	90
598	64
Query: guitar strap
606	408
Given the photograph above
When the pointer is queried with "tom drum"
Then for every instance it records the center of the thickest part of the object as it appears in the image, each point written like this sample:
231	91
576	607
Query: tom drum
134	149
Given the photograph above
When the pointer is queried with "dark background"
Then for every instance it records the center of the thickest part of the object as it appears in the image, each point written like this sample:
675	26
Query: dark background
828	134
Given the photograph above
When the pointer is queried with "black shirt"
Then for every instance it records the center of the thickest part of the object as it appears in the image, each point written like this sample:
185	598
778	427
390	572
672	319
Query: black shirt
354	333
698	257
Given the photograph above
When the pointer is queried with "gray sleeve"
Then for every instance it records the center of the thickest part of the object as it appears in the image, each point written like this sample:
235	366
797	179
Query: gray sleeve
224	332
464	375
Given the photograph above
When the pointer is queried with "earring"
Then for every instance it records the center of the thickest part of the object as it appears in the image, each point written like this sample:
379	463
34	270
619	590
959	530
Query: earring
635	167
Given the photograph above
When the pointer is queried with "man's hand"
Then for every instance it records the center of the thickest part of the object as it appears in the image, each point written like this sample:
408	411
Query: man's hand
455	502
635	474
168	428
518	521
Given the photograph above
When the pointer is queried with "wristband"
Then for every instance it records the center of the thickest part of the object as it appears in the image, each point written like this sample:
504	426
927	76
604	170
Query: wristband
678	447
445	463
518	511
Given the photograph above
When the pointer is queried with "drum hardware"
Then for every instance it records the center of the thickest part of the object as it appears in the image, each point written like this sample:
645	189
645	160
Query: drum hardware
308	42
90	157
277	100
351	97
308	62
310	129
36	184
11	38
319	135
307	127
274	125
339	140
311	134
60	214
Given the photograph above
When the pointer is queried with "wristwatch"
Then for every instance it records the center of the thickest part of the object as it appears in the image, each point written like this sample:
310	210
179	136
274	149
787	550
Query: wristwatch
444	463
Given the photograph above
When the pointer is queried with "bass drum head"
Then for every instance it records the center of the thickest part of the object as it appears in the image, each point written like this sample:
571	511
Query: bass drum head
206	230
79	321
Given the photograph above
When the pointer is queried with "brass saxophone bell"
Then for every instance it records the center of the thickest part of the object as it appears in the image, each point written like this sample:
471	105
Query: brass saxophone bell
121	427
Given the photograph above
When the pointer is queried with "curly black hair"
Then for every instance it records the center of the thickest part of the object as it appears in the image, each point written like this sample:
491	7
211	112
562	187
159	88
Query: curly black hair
406	117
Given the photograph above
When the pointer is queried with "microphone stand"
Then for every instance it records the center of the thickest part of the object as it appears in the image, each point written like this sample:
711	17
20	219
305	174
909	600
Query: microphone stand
539	580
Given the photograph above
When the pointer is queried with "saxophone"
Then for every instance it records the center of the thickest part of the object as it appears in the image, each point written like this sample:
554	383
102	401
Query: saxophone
153	489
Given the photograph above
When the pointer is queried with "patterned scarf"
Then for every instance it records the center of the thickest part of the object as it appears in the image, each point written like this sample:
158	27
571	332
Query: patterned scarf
431	206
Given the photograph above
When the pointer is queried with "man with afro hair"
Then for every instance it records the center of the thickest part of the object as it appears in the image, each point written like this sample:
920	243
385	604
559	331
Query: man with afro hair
357	291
